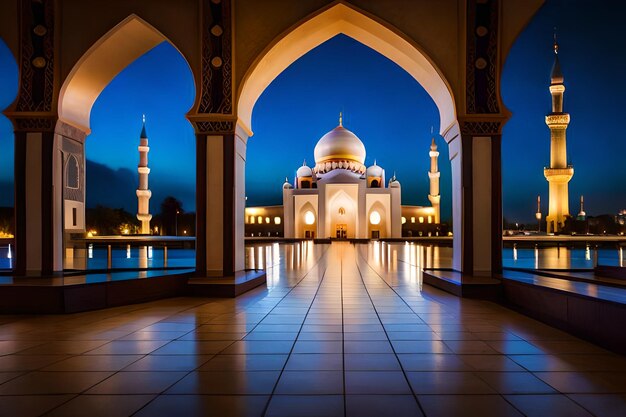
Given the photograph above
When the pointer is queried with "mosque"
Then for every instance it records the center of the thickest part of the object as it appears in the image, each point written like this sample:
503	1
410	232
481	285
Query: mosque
341	198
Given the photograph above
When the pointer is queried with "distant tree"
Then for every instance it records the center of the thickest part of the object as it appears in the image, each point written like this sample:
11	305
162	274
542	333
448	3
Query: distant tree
171	208
110	221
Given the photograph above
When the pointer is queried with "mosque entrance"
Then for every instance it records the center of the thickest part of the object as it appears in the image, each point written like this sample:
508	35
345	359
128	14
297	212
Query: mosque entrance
341	231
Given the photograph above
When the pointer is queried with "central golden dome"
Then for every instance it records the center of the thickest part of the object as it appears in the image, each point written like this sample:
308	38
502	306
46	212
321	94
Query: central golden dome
339	149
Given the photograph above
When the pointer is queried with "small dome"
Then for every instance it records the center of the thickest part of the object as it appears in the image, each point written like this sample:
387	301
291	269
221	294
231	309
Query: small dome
287	185
393	182
304	171
374	171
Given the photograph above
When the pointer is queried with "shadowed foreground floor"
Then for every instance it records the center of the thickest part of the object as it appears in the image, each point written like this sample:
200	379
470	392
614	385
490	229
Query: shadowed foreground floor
340	330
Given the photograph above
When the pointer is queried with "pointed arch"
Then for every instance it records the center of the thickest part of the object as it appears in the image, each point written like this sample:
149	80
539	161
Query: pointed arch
109	56
322	26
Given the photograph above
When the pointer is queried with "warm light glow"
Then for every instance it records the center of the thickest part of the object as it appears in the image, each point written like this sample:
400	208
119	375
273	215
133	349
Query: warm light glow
375	217
267	220
92	233
403	219
277	220
252	219
309	218
184	232
126	231
412	219
421	219
430	219
259	219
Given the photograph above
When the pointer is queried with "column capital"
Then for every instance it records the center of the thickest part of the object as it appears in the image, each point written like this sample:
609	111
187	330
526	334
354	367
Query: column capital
213	124
32	121
482	125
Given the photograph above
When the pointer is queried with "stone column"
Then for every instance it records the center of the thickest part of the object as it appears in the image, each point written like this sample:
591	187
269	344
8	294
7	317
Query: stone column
220	198
38	160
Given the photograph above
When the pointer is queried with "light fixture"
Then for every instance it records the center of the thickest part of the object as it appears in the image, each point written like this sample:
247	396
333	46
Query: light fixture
309	218
375	217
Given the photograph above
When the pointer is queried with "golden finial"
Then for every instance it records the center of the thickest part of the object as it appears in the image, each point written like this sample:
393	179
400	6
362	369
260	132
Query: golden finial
556	44
143	118
340	119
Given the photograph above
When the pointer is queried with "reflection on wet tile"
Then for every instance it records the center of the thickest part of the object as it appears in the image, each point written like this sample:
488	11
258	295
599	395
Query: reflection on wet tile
337	333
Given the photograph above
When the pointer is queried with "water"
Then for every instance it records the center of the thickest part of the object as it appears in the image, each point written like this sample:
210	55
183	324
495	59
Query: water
95	258
264	256
562	257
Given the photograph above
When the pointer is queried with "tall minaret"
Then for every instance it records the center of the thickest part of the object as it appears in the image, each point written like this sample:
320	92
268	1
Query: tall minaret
143	193
559	173
433	175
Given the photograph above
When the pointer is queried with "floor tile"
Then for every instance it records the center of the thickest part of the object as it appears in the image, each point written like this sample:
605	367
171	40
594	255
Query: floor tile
547	405
605	405
245	363
371	362
516	383
447	383
205	406
376	382
228	383
310	383
382	406
52	383
315	361
101	406
137	383
467	406
30	405
169	363
306	406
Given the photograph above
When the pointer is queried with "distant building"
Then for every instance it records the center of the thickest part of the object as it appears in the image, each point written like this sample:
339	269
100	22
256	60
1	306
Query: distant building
560	172
340	198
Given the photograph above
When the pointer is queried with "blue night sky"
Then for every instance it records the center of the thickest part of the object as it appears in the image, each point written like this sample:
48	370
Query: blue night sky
382	104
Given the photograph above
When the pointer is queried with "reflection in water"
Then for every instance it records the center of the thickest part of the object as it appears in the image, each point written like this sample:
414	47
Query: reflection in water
560	257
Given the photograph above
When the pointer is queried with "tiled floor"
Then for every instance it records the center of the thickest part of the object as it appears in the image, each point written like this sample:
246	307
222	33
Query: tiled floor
341	330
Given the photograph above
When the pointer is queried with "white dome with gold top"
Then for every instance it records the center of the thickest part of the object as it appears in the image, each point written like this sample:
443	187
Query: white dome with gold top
339	149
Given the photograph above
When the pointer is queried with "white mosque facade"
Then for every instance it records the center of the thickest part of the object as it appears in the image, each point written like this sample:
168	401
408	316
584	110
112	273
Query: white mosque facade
340	198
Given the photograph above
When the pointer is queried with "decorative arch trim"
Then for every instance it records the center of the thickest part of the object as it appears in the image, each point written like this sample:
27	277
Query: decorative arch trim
322	26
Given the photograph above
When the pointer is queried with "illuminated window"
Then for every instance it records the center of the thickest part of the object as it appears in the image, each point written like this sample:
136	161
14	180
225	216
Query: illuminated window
374	217
252	219
267	220
309	217
412	219
276	220
421	219
342	211
259	219
403	219
430	219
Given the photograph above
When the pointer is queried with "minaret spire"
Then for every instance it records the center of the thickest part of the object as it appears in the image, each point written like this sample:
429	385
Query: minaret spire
433	175
559	173
143	193
341	119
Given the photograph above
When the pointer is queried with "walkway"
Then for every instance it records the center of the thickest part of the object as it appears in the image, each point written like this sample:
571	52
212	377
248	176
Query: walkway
340	330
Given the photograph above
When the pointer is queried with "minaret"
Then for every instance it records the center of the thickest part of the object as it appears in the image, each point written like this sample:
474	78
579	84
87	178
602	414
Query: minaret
433	175
143	193
582	215
559	173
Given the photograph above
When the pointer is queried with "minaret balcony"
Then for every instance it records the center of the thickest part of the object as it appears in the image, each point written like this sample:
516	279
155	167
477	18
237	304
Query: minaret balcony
143	170
434	174
558	120
559	175
144	193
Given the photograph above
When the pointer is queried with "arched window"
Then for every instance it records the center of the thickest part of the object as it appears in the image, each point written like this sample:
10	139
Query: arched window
342	211
375	184
72	173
